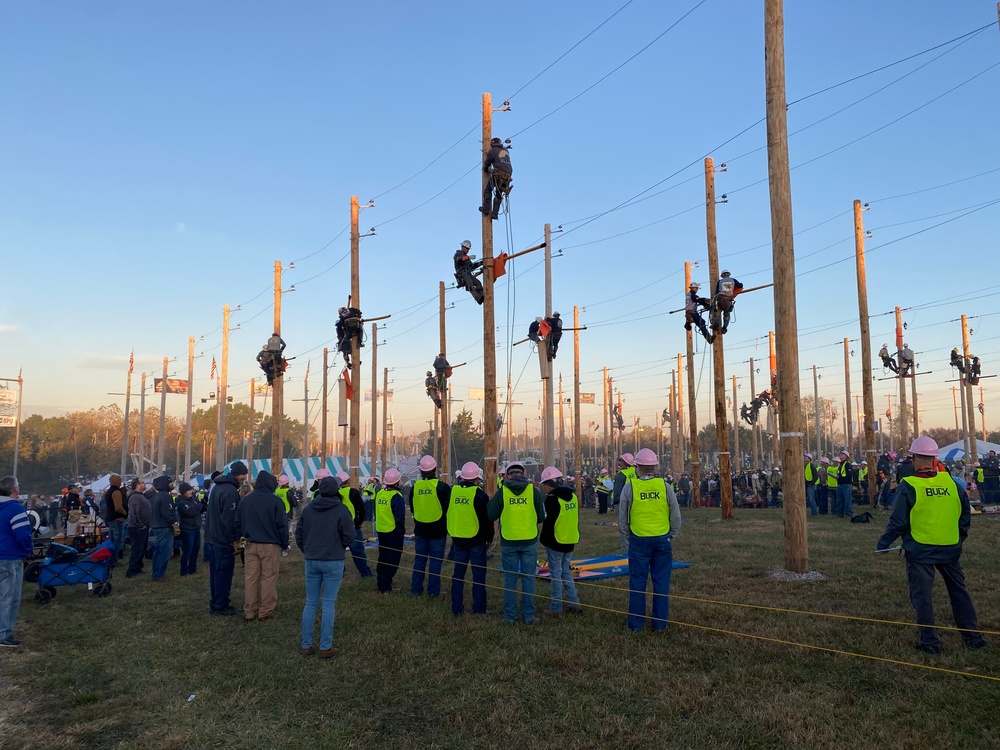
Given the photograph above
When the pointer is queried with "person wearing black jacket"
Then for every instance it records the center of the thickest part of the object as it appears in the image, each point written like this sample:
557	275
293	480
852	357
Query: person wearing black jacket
162	518
189	514
429	505
221	534
497	165
115	516
560	533
325	529
471	533
260	517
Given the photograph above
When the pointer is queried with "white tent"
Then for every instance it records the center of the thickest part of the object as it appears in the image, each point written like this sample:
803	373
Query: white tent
956	450
99	485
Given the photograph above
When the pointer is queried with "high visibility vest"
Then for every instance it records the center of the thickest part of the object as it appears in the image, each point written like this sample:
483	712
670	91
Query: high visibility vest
863	474
567	528
650	513
980	476
934	516
810	473
462	519
282	492
426	506
831	476
629	472
345	496
384	520
518	519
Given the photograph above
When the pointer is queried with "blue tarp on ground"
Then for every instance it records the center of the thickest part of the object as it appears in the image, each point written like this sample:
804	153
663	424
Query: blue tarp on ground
605	566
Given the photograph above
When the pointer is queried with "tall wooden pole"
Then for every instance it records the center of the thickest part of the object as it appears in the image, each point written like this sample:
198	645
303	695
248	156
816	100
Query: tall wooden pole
785	314
819	424
982	410
190	406
692	407
445	392
142	426
607	415
916	413
253	427
385	419
718	351
848	426
679	416
676	427
305	427
577	449
161	456
871	456
755	428
373	432
489	323
736	431
355	421
904	425
324	415
128	397
954	405
974	454
562	430
220	438
548	423
277	387
772	385
966	426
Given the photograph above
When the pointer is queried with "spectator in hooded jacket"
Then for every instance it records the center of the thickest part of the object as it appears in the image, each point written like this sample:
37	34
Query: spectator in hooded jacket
162	517
189	516
221	534
138	526
15	545
260	517
560	533
324	531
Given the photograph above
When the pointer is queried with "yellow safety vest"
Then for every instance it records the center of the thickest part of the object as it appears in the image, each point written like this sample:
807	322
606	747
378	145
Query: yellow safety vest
463	522
629	472
345	496
426	506
934	516
810	474
650	513
980	475
384	520
282	492
831	475
863	474
518	519
567	527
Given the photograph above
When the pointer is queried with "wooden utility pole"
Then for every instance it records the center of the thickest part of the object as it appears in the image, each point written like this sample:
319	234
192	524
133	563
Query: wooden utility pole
128	398
718	351
373	432
324	415
755	428
785	313
277	386
916	413
819	425
220	438
562	431
679	416
489	323
954	405
305	428
547	386
445	392
866	348
385	420
142	426
161	456
982	411
676	427
966	427
736	432
253	428
974	454
772	386
607	415
190	406
577	449
848	426
904	425
355	421
692	406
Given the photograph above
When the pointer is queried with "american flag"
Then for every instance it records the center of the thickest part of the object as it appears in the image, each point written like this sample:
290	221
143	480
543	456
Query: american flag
212	373
72	433
131	362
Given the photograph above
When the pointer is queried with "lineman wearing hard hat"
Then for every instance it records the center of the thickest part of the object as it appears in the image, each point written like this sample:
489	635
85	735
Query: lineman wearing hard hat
626	470
429	505
651	517
692	311
932	514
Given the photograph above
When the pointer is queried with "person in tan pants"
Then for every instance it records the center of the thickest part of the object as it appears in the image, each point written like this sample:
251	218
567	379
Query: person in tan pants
260	519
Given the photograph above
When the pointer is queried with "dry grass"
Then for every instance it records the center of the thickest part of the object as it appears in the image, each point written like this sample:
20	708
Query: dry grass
116	673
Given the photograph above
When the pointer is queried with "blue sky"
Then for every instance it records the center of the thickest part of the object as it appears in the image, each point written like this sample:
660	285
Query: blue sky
158	158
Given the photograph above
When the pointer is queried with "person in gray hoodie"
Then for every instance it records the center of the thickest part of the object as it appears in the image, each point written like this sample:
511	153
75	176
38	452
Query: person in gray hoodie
325	530
162	517
138	527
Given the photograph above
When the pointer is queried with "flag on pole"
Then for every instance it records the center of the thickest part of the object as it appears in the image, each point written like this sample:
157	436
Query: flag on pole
211	375
131	362
308	365
347	384
72	433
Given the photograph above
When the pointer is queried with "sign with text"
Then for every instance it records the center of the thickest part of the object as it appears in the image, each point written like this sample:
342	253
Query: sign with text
477	394
174	385
388	395
587	398
8	407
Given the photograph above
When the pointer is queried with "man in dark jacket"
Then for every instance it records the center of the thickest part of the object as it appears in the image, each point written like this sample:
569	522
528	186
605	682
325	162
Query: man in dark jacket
497	166
162	517
116	515
138	527
471	533
221	534
325	529
189	515
260	517
560	533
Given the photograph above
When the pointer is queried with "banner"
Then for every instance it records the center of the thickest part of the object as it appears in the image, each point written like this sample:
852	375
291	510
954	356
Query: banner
587	398
341	403
477	394
388	395
8	407
174	385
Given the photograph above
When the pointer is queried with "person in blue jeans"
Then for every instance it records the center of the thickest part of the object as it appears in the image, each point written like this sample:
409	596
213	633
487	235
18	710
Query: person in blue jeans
519	507
429	505
189	515
560	533
652	519
324	532
115	515
162	518
471	533
220	534
15	545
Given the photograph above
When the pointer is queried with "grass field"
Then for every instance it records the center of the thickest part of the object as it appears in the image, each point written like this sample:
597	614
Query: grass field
117	672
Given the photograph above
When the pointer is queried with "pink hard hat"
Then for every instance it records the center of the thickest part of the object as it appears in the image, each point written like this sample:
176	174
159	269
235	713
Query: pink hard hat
836	459
283	480
845	452
427	463
824	460
515	466
470	471
604	472
646	457
627	458
550	474
809	456
924	446
392	476
975	465
323	474
343	476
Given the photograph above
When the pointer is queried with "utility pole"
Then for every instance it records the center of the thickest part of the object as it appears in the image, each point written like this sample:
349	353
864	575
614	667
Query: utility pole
547	423
866	348
161	456
489	323
916	414
277	384
220	440
904	426
374	429
965	424
848	427
772	385
982	410
355	421
323	416
385	418
607	414
577	449
190	402
253	427
142	426
755	428
676	427
679	416
736	431
128	396
718	351
819	428
974	454
692	406
785	314
954	405
562	430
305	433
445	394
